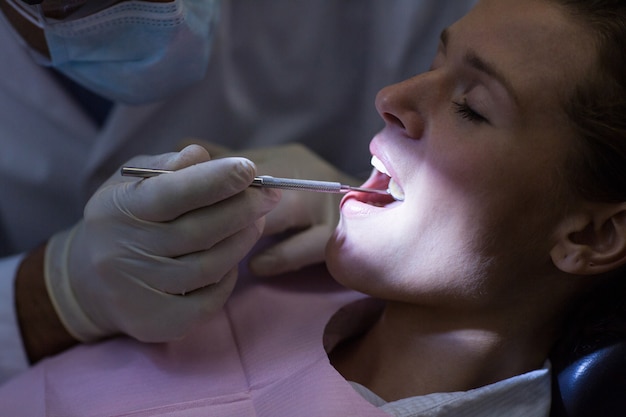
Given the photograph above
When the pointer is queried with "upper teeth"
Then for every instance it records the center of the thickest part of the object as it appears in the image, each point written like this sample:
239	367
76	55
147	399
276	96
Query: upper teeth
394	189
378	164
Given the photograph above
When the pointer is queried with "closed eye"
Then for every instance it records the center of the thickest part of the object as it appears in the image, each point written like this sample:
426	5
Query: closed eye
467	113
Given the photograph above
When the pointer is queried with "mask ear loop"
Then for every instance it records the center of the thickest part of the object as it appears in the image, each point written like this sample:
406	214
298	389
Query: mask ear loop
33	13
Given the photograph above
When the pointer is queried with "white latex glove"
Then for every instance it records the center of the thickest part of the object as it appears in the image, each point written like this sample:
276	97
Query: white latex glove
312	216
152	257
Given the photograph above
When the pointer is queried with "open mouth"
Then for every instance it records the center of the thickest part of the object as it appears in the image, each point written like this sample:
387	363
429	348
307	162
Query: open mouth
381	180
393	187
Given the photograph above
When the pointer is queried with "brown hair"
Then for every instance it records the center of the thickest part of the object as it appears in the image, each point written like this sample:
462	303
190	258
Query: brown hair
597	111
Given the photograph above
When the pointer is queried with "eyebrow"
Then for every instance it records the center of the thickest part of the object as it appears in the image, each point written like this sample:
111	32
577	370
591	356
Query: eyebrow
472	59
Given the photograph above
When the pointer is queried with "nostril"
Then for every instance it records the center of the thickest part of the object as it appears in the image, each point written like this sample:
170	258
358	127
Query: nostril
411	123
393	120
399	108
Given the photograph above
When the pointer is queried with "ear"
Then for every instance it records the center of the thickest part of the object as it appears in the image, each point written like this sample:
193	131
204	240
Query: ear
593	242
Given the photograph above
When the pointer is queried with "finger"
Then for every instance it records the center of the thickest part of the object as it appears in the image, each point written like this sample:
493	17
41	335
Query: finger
289	214
165	197
191	272
215	150
296	211
189	155
203	228
303	249
202	304
209	299
162	161
171	317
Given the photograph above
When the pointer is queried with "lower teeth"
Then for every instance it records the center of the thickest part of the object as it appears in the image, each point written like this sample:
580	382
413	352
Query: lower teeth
396	192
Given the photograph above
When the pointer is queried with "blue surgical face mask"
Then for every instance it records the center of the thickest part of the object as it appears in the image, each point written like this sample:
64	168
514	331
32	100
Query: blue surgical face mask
133	52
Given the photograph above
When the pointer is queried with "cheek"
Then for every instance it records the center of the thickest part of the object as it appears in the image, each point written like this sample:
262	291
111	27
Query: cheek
428	267
358	256
346	256
403	258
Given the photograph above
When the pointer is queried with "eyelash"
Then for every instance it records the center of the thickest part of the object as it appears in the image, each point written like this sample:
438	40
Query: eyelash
466	112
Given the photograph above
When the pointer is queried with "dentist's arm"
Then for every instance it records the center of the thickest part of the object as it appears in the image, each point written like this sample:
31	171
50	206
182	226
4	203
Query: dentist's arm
149	259
42	332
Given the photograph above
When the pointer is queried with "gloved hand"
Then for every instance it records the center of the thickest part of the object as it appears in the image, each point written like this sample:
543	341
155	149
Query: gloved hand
313	216
152	257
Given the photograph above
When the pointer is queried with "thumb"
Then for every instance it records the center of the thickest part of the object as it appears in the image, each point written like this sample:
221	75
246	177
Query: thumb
190	155
214	149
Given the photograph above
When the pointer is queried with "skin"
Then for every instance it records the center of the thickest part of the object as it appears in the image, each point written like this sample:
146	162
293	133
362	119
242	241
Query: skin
32	34
489	247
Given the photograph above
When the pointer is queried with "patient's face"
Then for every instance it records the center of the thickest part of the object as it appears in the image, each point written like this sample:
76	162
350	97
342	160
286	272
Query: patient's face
478	144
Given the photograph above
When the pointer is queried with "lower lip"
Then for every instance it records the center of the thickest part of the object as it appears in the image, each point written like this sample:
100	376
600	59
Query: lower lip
351	206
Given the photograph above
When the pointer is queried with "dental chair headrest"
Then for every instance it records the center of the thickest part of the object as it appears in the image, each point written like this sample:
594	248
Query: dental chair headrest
593	385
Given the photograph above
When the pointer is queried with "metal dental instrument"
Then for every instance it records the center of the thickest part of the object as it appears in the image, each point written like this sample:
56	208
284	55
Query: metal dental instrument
270	182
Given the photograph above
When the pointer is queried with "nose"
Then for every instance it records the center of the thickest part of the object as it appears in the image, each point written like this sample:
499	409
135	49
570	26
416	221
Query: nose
400	107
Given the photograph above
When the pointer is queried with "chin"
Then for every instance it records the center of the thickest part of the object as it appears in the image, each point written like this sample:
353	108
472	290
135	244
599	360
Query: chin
333	252
348	265
339	262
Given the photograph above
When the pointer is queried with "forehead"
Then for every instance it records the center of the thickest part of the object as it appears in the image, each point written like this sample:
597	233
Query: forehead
541	49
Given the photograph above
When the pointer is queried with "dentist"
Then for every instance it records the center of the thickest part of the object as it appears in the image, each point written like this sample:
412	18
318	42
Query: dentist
148	259
85	86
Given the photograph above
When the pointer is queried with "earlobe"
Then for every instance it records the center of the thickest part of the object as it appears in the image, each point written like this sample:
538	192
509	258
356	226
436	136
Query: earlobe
593	243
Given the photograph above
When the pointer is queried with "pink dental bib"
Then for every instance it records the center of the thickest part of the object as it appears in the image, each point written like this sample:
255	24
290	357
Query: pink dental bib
261	356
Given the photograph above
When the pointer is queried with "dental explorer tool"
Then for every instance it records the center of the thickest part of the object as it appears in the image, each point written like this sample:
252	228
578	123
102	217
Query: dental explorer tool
270	182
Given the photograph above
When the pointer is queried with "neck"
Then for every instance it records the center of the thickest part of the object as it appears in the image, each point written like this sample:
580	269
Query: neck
413	351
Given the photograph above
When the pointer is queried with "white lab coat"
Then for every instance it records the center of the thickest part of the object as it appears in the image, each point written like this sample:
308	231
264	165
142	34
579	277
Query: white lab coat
281	71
